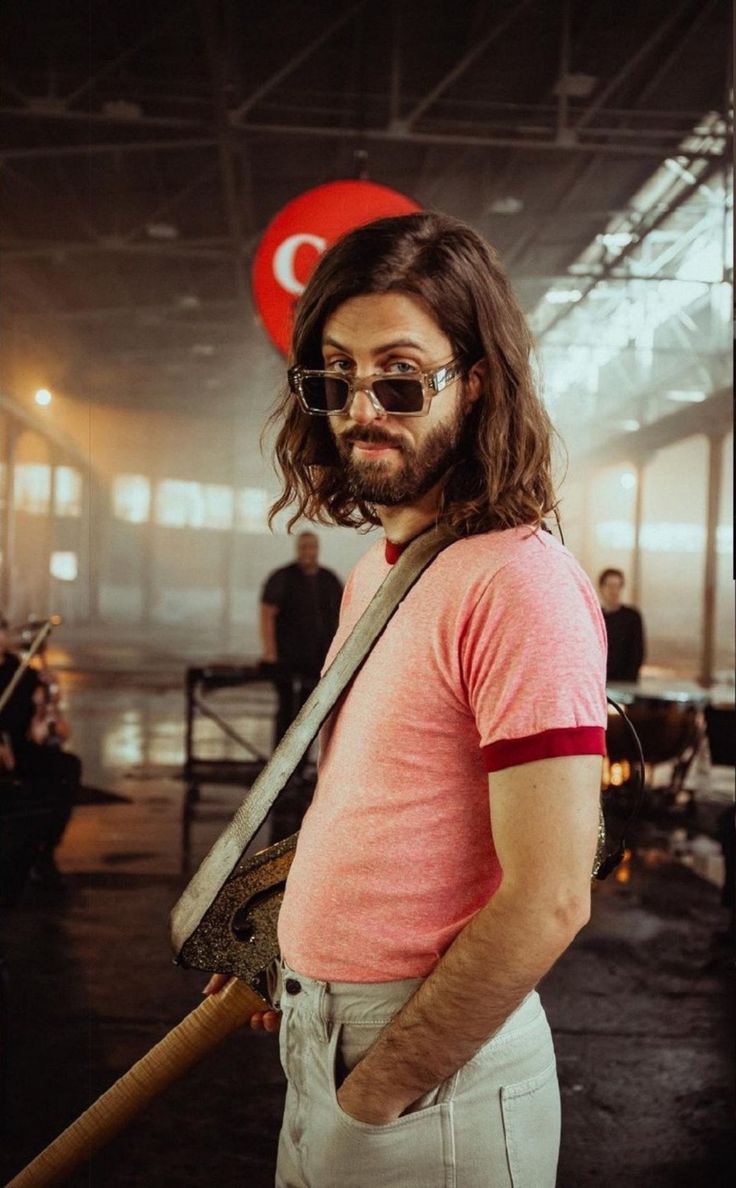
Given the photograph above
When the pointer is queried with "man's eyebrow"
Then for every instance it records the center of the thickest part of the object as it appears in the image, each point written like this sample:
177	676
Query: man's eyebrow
379	350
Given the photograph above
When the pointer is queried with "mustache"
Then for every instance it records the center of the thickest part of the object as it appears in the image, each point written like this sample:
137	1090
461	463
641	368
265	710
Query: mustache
371	436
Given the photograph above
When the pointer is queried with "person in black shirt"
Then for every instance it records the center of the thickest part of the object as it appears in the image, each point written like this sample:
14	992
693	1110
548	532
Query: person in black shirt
29	752
624	627
300	605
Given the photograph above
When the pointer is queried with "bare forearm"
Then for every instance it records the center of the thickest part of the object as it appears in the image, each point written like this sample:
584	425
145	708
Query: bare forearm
268	630
487	972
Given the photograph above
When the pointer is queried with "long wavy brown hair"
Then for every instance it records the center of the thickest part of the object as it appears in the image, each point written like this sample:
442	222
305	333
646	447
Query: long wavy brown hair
501	476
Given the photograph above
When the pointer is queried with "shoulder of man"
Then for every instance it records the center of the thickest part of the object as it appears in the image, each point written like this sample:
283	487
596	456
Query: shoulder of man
511	551
504	576
275	584
329	575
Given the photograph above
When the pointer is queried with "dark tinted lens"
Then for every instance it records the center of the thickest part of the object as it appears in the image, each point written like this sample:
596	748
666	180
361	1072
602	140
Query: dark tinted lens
400	395
324	395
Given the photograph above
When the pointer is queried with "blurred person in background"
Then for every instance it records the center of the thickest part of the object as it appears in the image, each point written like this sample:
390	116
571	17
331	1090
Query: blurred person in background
18	712
624	628
33	731
444	863
300	605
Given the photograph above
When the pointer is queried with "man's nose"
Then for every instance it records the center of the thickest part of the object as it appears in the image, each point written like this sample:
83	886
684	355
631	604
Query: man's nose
364	407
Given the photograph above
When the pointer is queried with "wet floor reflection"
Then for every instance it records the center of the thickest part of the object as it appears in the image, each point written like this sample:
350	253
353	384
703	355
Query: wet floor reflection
132	743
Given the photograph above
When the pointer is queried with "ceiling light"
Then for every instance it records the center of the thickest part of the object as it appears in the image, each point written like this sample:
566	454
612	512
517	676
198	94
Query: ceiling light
508	205
43	397
562	296
627	480
579	86
616	239
162	231
679	170
629	426
121	109
205	349
681	396
188	301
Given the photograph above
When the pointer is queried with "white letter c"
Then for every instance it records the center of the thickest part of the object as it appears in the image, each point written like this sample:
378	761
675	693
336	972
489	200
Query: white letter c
284	257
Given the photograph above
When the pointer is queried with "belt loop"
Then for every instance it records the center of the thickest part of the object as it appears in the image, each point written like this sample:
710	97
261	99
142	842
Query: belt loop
323	1012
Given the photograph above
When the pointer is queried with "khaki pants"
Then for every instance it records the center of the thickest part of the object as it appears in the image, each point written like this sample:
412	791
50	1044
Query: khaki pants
494	1124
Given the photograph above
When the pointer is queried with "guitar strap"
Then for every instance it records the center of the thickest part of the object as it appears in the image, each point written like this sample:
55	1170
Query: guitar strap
225	855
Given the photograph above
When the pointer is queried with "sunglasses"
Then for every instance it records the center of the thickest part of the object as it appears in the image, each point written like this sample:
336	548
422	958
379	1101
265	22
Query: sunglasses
329	394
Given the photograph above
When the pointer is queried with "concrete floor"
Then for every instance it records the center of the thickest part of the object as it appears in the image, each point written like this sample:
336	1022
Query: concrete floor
641	1005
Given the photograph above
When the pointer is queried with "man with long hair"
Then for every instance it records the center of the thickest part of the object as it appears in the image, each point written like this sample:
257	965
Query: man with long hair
445	861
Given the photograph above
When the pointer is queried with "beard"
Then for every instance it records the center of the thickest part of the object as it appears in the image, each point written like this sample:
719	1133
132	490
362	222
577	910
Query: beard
421	467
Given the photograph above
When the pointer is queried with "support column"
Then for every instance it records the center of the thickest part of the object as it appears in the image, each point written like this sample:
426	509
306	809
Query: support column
635	580
227	548
7	528
148	555
95	539
586	525
83	550
715	467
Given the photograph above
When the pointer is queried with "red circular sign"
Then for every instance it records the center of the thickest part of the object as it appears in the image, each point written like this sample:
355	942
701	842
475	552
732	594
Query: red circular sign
299	234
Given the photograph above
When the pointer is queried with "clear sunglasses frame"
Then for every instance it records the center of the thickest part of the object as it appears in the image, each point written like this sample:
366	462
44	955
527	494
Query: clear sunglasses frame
433	382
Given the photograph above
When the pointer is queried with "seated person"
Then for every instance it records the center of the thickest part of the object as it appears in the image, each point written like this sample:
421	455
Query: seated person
32	731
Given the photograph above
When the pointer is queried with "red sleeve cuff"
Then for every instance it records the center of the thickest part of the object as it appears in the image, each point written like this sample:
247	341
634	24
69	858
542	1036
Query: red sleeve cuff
548	744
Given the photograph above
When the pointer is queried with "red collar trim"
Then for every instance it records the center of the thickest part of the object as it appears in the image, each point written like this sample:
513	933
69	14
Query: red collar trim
392	551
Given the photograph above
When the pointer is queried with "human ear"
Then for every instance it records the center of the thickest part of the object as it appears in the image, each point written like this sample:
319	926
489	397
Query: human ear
476	382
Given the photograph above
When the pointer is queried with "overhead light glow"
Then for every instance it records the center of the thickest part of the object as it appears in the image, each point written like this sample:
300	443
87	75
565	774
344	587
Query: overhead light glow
43	397
679	170
683	397
562	296
577	86
508	205
627	480
616	239
162	231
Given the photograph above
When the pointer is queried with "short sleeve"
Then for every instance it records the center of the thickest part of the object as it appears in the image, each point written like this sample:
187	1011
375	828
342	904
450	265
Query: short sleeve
534	660
274	588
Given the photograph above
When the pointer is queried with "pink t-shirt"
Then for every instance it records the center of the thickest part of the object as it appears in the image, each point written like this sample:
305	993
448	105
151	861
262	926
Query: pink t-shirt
496	657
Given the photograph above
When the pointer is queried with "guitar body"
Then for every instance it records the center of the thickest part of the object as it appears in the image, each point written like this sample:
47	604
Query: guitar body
237	934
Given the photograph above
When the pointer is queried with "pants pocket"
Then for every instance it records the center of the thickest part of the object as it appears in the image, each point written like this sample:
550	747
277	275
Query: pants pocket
531	1120
415	1150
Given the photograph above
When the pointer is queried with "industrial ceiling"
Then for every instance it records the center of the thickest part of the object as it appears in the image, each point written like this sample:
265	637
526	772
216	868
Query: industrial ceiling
144	149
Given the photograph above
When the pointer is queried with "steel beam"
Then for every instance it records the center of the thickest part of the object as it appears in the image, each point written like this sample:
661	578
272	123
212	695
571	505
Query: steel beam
710	575
42	152
467	60
644	49
125	56
642	231
563	71
101	117
713	416
541	141
29	251
236	115
231	200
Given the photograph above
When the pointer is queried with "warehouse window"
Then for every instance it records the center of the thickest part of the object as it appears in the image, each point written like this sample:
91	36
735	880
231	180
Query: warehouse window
251	510
131	498
67	491
32	488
